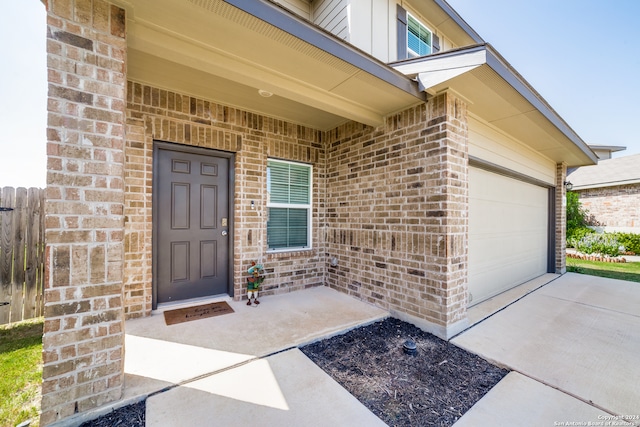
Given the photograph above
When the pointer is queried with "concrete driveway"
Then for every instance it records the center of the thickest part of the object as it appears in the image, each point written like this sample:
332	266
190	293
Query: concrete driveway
574	349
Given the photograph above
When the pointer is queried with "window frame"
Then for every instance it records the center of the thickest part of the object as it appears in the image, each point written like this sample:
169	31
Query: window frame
410	52
308	207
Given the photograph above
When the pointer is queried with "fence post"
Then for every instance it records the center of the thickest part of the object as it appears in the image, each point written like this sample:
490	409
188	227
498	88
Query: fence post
19	231
7	197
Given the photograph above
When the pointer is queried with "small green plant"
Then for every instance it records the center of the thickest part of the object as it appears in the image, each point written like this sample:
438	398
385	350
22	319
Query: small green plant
604	244
630	241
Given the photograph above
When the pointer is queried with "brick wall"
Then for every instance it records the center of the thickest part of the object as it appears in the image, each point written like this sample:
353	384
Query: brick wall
615	207
561	219
391	206
397	213
83	331
156	114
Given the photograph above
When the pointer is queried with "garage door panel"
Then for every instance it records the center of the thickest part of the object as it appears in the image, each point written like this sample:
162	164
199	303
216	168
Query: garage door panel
508	233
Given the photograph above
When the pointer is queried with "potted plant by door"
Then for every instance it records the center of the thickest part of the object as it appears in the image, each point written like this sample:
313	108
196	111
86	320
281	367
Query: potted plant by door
255	279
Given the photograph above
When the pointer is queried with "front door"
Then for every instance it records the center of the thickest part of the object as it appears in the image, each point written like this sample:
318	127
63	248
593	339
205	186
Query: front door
191	196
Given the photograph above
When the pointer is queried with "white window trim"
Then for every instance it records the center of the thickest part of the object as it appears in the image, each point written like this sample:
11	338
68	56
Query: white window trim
308	207
410	51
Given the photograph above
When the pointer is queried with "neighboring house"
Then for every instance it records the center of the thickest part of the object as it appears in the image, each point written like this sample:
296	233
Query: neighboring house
605	152
188	138
610	191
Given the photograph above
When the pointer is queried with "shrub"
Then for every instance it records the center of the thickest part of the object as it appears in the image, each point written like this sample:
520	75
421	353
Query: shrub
630	241
576	234
576	215
598	243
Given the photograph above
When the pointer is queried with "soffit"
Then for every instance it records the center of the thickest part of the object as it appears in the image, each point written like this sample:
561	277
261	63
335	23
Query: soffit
498	95
211	49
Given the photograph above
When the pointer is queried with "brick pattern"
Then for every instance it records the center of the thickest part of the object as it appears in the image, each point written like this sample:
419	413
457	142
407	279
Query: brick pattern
561	219
156	114
397	211
83	332
617	206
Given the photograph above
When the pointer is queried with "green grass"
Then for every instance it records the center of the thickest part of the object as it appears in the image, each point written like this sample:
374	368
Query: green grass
622	271
21	367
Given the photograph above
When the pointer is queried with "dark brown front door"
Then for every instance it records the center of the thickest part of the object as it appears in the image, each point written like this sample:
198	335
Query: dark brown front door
191	194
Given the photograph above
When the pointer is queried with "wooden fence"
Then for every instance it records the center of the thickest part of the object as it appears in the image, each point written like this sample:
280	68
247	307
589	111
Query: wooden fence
21	253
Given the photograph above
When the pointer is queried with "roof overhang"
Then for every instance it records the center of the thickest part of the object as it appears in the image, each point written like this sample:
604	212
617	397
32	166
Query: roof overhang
495	92
605	184
226	51
610	148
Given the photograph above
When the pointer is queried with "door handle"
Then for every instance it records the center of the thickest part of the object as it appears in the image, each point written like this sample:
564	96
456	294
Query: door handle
225	232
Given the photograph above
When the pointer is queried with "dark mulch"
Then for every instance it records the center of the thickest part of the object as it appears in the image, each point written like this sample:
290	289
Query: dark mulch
435	387
126	416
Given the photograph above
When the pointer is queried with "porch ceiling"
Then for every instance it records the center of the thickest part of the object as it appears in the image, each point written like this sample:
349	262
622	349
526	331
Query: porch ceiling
218	51
498	94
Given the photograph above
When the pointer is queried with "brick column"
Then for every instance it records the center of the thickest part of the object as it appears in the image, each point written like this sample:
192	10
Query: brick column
446	217
84	330
561	219
448	205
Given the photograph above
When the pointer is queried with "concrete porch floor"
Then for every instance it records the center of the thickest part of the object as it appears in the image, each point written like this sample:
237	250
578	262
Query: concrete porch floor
571	342
245	362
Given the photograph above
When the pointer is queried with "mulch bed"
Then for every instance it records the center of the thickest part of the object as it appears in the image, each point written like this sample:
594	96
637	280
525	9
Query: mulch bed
126	416
435	387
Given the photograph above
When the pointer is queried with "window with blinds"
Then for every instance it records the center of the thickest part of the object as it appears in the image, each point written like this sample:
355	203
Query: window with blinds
289	205
418	38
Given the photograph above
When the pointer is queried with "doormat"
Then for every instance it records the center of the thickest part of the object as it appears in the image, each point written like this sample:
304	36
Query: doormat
187	314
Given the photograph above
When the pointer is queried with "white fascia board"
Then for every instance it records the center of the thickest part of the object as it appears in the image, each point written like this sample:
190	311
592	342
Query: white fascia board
441	62
431	71
433	78
605	184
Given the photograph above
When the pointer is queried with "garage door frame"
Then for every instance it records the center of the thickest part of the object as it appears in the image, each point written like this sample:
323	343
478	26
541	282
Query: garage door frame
551	220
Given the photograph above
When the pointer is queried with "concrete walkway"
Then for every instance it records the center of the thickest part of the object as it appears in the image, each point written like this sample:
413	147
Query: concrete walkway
244	368
574	347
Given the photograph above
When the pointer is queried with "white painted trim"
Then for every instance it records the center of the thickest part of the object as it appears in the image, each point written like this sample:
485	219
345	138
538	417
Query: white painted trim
308	207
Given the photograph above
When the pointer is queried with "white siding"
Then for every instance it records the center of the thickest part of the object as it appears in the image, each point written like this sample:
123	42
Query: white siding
491	145
369	25
299	7
332	15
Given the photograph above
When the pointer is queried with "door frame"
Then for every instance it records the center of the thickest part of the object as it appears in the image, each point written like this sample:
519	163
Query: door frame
170	146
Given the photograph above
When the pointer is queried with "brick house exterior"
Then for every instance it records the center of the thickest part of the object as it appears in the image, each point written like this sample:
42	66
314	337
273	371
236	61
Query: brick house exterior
610	191
390	182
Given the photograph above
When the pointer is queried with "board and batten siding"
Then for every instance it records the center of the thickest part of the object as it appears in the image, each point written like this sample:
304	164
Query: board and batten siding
371	26
491	145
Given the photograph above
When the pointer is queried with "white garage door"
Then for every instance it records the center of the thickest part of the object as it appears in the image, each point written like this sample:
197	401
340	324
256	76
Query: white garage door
508	235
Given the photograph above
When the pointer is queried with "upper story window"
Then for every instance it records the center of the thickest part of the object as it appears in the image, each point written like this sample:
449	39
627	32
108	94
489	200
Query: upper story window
418	38
289	205
414	39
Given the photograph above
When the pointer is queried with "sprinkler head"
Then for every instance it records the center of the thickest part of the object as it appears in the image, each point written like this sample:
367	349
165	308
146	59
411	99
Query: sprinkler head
409	347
